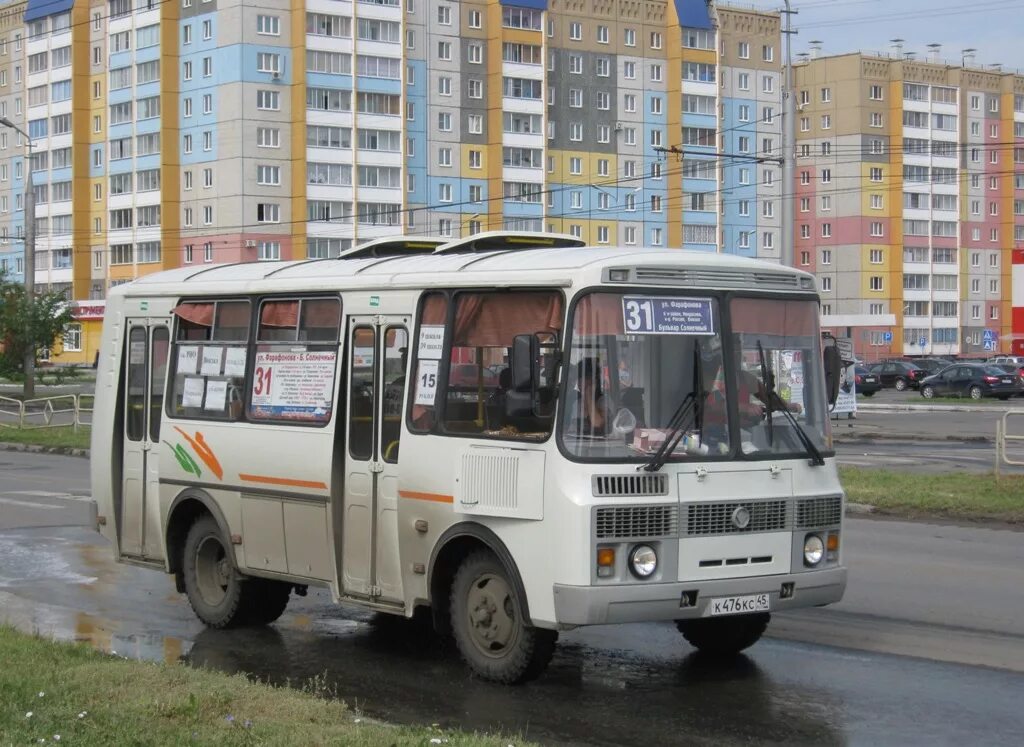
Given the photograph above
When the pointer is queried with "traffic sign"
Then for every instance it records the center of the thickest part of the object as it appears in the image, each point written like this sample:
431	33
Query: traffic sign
989	345
923	341
887	337
990	335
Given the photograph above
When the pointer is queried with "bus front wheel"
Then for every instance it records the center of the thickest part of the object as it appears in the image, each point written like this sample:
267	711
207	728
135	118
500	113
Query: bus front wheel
219	596
724	636
488	625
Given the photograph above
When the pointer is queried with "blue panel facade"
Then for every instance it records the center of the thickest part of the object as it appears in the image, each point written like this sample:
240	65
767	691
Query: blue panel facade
36	9
693	14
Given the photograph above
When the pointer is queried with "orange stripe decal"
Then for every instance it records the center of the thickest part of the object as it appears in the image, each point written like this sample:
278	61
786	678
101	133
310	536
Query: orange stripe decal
264	479
435	497
204	451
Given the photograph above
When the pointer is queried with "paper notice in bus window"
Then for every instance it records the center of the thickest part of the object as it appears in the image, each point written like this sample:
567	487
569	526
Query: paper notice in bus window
137	353
212	356
192	396
426	383
293	385
188	359
216	395
234	362
431	341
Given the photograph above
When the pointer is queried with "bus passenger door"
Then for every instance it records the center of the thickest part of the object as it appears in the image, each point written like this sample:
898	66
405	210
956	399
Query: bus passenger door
145	373
357	513
376	382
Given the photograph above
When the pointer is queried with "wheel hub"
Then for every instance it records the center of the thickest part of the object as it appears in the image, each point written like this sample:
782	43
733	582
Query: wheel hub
493	623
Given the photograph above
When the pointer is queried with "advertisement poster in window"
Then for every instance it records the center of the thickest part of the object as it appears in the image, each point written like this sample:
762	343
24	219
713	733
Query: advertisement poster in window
293	385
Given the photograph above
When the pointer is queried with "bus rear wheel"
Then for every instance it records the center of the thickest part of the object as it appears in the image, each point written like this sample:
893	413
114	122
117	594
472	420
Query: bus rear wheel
267	600
488	625
724	636
219	596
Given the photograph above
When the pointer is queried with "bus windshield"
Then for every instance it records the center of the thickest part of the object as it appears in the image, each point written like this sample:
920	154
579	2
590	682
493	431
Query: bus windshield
646	368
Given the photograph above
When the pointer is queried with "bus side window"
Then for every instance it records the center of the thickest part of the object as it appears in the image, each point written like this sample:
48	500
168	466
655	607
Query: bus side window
157	379
138	352
360	441
396	355
433	318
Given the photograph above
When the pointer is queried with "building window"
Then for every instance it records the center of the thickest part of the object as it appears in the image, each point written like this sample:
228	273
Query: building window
269	251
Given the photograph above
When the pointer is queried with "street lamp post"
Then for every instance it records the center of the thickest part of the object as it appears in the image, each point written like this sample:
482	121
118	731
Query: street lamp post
29	363
788	145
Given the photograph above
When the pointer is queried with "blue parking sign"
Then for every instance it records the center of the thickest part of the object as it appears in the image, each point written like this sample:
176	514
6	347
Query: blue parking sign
887	337
923	341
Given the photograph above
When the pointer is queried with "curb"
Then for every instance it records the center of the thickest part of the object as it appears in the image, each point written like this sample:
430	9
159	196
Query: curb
859	509
934	408
849	438
36	449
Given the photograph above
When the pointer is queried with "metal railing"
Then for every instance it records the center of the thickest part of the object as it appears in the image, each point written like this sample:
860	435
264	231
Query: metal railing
1002	437
62	411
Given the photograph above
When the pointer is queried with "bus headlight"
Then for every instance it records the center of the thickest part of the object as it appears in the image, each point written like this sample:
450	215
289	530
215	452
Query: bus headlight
643	561
814	549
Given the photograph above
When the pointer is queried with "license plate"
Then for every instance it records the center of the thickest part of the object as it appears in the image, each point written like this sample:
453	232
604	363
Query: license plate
870	379
1007	381
737	605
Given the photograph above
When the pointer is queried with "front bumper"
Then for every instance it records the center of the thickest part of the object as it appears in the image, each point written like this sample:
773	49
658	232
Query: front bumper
600	605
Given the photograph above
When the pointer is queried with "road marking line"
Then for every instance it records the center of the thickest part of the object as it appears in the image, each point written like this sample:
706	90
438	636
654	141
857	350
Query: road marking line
30	504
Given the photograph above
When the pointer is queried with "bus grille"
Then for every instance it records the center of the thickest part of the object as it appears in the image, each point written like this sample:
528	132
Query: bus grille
707	277
628	522
819	512
630	485
717	518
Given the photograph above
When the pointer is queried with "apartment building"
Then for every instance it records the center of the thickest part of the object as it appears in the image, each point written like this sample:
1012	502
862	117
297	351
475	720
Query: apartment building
12	145
908	200
188	132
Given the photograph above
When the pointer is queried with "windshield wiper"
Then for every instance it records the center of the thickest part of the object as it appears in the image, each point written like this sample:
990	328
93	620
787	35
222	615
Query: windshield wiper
690	410
771	398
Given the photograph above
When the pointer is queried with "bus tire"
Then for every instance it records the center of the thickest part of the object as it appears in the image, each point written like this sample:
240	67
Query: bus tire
267	600
219	596
488	626
724	636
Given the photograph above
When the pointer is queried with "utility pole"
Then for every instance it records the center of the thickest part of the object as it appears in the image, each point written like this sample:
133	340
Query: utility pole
29	362
788	145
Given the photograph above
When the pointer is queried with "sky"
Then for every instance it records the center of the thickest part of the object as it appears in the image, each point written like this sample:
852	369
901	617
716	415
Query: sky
994	27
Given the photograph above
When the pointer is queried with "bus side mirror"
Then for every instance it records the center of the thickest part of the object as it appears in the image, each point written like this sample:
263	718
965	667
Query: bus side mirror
525	354
833	372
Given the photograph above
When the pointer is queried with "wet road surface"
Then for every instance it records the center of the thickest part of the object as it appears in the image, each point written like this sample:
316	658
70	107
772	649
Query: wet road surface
638	684
927	647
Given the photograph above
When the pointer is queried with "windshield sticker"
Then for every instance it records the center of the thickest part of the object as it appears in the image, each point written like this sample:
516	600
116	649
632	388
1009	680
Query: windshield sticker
647	315
294	385
431	341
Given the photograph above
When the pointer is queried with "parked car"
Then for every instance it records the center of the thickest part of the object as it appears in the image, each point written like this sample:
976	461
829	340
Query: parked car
468	375
1015	369
971	380
900	375
931	365
867	382
998	360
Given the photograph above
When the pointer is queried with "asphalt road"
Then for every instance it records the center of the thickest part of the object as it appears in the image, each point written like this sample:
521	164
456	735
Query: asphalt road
926	648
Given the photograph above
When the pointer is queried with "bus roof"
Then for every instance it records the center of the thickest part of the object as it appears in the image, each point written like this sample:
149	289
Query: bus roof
561	266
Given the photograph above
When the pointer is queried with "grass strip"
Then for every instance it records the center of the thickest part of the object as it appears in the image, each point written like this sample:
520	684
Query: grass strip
58	437
68	693
958	495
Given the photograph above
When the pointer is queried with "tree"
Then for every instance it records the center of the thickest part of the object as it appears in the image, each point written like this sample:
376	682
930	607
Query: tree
28	324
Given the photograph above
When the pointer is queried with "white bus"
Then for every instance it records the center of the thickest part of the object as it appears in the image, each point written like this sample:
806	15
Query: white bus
521	434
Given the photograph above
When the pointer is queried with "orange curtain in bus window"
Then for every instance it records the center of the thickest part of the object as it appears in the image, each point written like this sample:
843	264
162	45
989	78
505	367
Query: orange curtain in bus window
599	314
195	320
279	314
493	319
756	316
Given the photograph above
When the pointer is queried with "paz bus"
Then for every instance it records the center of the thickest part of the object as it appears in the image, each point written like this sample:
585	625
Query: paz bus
513	434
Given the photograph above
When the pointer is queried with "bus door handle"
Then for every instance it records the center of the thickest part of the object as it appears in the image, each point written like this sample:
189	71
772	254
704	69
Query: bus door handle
376	467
